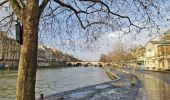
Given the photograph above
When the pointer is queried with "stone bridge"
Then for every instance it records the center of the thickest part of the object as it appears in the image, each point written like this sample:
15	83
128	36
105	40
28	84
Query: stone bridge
88	63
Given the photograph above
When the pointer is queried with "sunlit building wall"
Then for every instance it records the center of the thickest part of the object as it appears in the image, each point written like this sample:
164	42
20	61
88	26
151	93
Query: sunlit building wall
157	53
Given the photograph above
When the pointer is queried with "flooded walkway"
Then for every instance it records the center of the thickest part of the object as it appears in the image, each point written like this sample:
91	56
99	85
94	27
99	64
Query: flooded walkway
156	85
124	87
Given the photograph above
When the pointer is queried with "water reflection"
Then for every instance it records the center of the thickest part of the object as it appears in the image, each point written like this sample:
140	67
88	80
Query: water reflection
53	80
7	84
153	88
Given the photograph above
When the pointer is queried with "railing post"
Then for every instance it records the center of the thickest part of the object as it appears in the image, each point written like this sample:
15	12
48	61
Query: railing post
41	97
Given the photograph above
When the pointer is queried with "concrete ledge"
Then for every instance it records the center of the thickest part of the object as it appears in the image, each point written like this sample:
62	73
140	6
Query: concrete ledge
162	71
123	87
154	70
112	76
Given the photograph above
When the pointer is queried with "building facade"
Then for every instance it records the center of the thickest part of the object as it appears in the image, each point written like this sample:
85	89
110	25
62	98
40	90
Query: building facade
46	56
9	51
157	56
139	56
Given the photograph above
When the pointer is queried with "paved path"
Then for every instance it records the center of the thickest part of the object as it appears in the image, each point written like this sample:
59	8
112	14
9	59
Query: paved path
156	85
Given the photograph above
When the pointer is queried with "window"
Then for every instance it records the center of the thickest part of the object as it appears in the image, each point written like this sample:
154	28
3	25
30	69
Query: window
149	49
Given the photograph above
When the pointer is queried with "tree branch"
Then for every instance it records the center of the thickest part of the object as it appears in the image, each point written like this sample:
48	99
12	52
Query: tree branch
108	9
94	1
7	17
65	5
21	3
17	8
43	5
3	2
73	9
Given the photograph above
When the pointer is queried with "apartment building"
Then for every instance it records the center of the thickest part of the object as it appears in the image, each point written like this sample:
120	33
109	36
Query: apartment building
46	56
157	53
9	50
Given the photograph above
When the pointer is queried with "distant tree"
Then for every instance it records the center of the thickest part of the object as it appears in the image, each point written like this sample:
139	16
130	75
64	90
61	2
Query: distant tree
119	54
88	17
103	58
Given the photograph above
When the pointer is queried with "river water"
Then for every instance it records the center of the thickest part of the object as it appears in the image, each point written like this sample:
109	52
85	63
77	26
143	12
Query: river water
53	80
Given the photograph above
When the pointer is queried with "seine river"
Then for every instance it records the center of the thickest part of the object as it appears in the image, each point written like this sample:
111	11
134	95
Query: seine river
53	80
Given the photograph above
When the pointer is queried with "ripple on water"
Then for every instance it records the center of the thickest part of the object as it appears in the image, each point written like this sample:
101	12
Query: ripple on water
51	81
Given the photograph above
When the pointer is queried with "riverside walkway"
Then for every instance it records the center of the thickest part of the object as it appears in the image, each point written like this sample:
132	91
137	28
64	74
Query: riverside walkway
123	86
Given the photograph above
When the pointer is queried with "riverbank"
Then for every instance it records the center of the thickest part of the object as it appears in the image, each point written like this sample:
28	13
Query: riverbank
161	71
39	67
123	86
9	66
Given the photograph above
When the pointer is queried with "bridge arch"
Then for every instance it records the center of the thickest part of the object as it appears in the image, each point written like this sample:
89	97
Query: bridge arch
108	64
88	64
78	64
69	64
100	65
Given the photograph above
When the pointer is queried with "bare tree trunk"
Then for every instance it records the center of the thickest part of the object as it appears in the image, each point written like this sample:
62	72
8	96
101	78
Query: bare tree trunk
25	89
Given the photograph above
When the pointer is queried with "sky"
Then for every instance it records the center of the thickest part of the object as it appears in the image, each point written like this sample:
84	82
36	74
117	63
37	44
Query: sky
108	38
106	43
73	42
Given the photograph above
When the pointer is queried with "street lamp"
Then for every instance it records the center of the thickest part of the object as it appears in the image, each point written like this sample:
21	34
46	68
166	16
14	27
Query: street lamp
19	33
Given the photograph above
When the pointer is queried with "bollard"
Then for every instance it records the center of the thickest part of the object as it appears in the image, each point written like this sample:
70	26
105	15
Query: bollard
41	97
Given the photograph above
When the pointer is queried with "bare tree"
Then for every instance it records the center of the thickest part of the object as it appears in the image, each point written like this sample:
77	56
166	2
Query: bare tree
120	54
87	17
103	58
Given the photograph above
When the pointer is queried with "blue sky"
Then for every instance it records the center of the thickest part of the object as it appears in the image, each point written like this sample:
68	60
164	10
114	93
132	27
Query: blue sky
91	50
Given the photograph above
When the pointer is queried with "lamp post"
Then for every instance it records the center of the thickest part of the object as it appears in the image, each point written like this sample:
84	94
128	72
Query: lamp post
19	33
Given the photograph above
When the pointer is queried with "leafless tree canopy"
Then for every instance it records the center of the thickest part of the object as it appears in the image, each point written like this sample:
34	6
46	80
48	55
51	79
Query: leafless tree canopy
71	20
120	53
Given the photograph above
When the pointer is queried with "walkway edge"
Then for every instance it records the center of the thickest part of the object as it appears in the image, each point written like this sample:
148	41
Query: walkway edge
112	76
123	86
